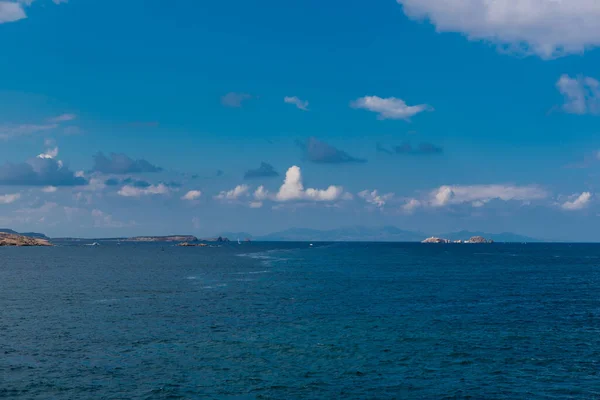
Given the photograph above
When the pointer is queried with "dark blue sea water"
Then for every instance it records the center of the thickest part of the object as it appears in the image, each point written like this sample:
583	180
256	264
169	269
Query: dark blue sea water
285	321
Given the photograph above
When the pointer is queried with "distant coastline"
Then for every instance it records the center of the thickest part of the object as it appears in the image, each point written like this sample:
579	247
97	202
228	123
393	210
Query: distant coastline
347	234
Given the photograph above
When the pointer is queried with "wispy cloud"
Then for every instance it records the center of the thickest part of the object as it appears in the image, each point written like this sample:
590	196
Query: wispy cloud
581	94
63	118
9	198
235	100
374	198
389	108
300	104
12	131
233	194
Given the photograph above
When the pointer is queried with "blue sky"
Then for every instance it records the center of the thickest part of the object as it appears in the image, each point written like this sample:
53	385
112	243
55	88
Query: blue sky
401	113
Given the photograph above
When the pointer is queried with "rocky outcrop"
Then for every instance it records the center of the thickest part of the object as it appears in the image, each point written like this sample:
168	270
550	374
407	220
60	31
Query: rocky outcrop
9	239
474	239
479	239
435	240
186	244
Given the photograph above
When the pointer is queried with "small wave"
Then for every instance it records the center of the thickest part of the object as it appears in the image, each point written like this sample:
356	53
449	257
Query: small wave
106	301
251	273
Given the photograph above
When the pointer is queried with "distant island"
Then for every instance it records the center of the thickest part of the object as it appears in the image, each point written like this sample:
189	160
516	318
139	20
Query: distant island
474	239
13	239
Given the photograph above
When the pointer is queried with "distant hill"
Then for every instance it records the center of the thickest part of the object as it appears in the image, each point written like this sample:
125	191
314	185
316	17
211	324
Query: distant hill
26	234
496	237
348	234
379	234
236	235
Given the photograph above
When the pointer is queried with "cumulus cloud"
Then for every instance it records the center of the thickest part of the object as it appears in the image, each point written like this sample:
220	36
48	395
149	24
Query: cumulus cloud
389	108
300	104
293	189
581	94
579	202
43	170
9	198
192	195
264	171
547	28
233	194
321	152
133	191
234	100
374	198
122	164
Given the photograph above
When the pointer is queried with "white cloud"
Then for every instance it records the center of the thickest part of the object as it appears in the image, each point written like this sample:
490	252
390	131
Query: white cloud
132	191
63	117
582	94
234	194
9	198
580	202
293	189
389	108
11	12
374	198
547	28
481	194
261	193
302	105
11	131
49	189
192	195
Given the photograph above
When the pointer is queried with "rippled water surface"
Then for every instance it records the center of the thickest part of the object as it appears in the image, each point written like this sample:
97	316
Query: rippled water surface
285	321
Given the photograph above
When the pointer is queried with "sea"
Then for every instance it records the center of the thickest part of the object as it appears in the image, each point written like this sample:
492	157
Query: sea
295	321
